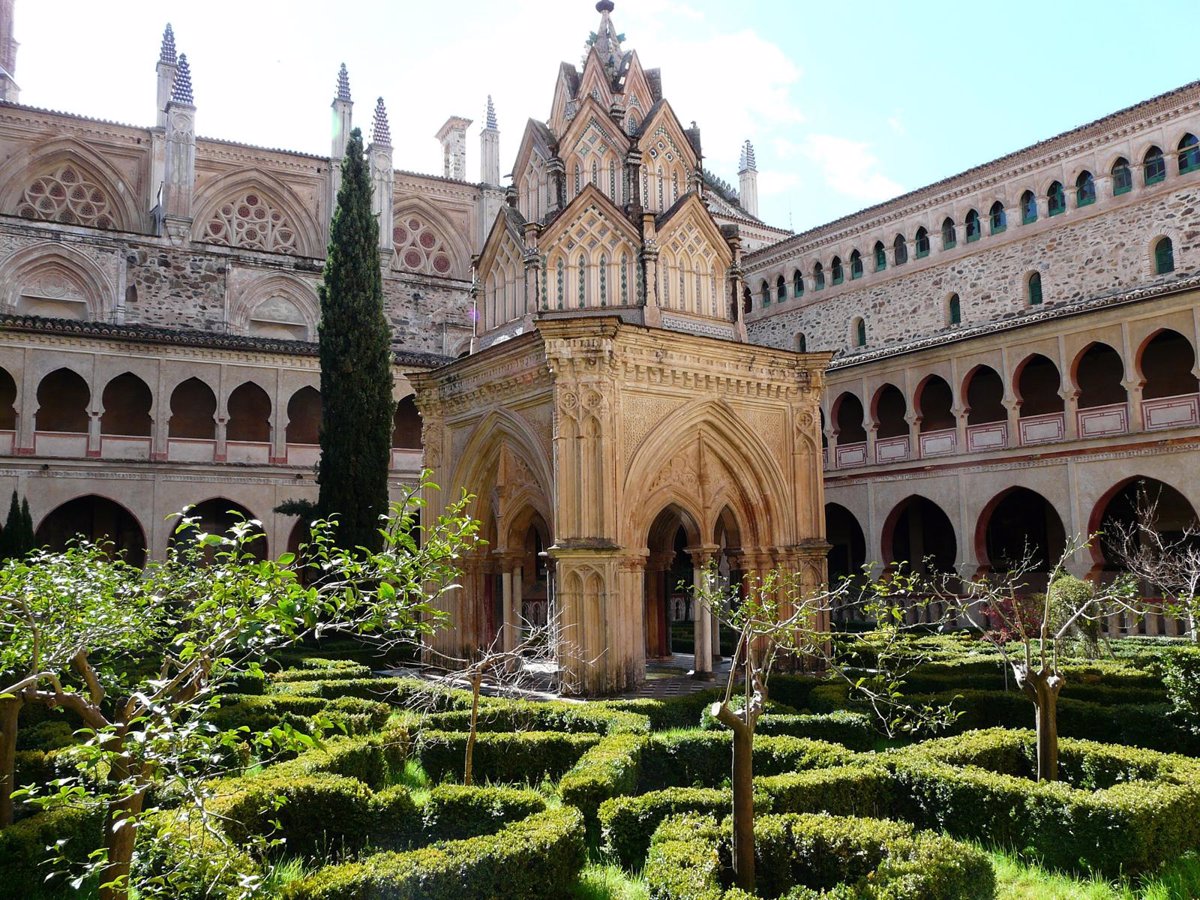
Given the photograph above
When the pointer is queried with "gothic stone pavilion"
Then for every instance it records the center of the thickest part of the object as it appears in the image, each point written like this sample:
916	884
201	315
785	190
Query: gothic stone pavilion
615	409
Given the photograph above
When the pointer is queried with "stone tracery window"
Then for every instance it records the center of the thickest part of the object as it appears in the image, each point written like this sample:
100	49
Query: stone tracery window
64	195
419	247
252	223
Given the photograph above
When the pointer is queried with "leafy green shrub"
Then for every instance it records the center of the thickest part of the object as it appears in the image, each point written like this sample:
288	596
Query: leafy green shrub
23	854
827	698
607	770
704	758
41	766
403	692
627	823
850	729
1181	676
51	734
262	713
708	721
503	757
812	856
1129	827
454	811
316	815
373	760
180	857
526	860
316	669
675	712
863	789
520	715
396	819
353	715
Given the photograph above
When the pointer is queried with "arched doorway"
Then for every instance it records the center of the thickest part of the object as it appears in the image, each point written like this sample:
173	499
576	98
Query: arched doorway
669	573
847	556
1169	392
919	535
1041	412
304	417
62	398
193	411
1099	372
406	425
987	419
8	401
1017	524
97	519
249	415
127	401
934	405
219	515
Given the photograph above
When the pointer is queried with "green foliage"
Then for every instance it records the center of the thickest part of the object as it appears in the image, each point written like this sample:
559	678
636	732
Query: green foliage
17	539
818	856
850	729
23	860
685	758
503	757
523	861
1181	676
1146	807
497	714
861	789
356	365
375	760
1068	594
609	769
318	669
49	734
675	712
315	815
455	811
180	857
627	823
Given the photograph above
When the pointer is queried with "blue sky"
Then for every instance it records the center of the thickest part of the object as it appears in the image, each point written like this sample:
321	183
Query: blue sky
847	104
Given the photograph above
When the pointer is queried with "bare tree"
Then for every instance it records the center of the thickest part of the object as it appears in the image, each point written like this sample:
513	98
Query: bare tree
1031	627
534	663
1168	562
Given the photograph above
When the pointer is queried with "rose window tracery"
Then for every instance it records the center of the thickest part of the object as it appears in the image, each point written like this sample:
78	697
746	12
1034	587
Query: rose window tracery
66	196
251	223
419	248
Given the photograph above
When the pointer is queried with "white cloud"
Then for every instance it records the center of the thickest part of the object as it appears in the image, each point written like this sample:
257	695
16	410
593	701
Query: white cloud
772	182
849	167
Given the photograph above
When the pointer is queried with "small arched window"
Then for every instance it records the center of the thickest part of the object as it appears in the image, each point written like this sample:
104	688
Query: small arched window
797	284
801	343
836	271
974	228
1056	199
860	333
780	289
900	250
880	257
922	242
1189	154
818	277
997	218
856	266
1034	285
953	310
1028	208
1122	177
949	234
1164	256
765	292
1154	167
1085	189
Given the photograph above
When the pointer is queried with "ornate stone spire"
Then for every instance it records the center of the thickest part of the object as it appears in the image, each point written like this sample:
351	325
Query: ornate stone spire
181	90
343	87
380	132
167	53
606	40
746	162
491	115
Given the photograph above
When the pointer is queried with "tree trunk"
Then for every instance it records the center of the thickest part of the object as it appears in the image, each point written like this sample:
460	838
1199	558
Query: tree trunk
468	764
1042	687
10	709
120	835
743	795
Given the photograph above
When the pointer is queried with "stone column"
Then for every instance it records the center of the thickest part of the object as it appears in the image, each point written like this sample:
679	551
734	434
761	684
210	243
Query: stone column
960	414
518	590
1133	391
914	435
702	635
871	428
1070	398
1013	407
506	594
221	450
94	437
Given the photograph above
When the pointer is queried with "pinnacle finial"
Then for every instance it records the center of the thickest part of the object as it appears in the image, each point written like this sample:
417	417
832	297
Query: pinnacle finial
491	115
167	53
181	90
343	84
604	6
746	163
380	132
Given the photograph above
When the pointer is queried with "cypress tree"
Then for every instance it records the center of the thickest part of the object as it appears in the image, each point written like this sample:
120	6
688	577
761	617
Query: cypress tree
28	538
356	365
10	539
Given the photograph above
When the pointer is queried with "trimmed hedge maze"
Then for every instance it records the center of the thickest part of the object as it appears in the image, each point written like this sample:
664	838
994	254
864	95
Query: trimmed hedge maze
378	810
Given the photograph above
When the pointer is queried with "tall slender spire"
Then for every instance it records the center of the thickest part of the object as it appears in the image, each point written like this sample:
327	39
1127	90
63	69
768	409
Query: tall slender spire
181	90
343	84
606	41
167	53
380	132
491	115
746	161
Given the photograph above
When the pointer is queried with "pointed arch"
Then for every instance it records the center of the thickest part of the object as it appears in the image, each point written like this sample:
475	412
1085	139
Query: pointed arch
275	305
427	241
19	174
296	232
52	279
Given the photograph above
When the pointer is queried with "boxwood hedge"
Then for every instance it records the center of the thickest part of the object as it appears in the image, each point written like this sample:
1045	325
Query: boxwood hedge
521	861
502	757
703	758
609	769
814	856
